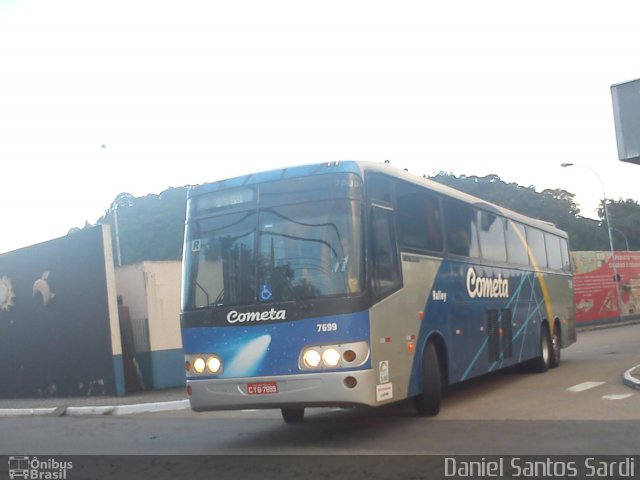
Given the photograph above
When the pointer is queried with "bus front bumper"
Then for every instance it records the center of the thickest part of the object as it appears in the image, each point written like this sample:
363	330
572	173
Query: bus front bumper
304	390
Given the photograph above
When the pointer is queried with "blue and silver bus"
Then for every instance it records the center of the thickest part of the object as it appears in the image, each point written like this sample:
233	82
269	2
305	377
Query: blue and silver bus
356	283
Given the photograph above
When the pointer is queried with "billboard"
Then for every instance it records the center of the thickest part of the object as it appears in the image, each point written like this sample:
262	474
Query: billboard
626	115
595	291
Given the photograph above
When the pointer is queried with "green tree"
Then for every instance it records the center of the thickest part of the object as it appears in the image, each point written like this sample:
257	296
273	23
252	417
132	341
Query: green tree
150	227
624	216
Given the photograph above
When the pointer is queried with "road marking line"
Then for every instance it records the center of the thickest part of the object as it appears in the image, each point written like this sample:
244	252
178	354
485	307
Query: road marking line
584	386
617	397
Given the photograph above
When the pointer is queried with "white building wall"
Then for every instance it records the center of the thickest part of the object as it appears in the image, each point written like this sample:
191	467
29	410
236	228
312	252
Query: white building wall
151	290
130	285
162	286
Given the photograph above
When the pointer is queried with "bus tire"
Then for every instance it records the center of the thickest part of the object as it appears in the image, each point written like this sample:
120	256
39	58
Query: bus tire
542	362
556	344
428	402
292	415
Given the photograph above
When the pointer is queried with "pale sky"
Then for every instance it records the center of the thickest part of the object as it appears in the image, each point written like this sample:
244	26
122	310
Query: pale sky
195	91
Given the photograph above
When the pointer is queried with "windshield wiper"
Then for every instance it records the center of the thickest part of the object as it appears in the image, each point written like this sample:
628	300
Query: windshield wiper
216	302
206	294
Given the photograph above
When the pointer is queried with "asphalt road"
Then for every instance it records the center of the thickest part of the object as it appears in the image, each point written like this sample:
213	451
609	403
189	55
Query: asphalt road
582	407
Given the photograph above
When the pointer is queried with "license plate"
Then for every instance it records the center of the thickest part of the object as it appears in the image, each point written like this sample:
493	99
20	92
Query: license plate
262	388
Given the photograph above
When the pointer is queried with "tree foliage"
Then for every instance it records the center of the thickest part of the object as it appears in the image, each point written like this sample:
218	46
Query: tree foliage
150	227
624	216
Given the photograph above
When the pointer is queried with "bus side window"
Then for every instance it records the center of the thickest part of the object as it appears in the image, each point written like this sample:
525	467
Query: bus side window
535	240
492	242
460	228
418	215
385	263
554	254
379	187
434	225
566	258
516	243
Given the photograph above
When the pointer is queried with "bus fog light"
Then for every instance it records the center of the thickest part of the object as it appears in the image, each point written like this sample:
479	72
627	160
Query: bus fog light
350	382
214	364
311	358
198	365
331	357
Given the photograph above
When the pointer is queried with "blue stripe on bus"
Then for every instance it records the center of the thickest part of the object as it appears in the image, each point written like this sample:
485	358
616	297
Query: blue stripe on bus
468	354
264	349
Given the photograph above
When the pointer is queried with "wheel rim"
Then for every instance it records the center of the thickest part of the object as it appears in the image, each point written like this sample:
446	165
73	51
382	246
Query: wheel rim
557	346
545	349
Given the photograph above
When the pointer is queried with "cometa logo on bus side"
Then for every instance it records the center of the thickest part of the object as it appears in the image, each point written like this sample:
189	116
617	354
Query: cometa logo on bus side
486	287
236	317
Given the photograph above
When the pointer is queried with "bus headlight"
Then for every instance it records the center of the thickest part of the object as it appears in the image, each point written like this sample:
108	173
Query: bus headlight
345	355
198	365
203	363
214	364
311	358
331	357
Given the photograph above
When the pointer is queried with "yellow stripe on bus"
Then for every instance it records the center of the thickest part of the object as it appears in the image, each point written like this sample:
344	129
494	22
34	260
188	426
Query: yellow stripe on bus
539	274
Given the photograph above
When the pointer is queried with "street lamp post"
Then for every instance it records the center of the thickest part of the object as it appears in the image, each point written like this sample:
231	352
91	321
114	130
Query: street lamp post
609	230
626	242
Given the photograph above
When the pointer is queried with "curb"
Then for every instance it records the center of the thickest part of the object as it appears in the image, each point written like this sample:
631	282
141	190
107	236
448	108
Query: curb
606	324
20	412
99	410
630	380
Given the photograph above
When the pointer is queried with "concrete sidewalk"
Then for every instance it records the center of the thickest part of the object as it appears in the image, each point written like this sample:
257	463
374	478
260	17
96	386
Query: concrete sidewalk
151	401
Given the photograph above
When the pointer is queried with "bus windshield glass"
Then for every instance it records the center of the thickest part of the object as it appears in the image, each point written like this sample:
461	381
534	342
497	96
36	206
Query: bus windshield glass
262	252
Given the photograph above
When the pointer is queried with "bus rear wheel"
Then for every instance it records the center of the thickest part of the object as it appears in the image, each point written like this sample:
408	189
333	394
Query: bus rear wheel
556	343
542	362
292	415
428	402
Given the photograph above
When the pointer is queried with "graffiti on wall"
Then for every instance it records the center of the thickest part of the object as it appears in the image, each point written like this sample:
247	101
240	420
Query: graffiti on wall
55	334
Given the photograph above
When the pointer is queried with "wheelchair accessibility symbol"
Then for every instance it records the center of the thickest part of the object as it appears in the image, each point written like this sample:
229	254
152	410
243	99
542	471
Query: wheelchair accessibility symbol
265	293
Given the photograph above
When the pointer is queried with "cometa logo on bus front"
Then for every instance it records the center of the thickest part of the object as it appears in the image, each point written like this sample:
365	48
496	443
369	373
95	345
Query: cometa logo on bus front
484	287
236	317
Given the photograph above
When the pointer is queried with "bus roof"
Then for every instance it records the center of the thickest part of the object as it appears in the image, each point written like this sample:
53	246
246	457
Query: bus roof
360	167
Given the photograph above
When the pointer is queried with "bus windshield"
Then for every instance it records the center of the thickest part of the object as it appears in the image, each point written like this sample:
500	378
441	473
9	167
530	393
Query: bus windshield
274	253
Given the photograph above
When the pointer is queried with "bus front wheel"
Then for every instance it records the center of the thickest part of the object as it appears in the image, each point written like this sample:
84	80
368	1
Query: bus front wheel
293	415
428	402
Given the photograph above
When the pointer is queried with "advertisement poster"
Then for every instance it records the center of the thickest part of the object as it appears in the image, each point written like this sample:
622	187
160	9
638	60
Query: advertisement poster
595	289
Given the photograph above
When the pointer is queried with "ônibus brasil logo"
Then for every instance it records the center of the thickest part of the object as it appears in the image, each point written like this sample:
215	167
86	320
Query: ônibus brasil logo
236	317
486	287
33	468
